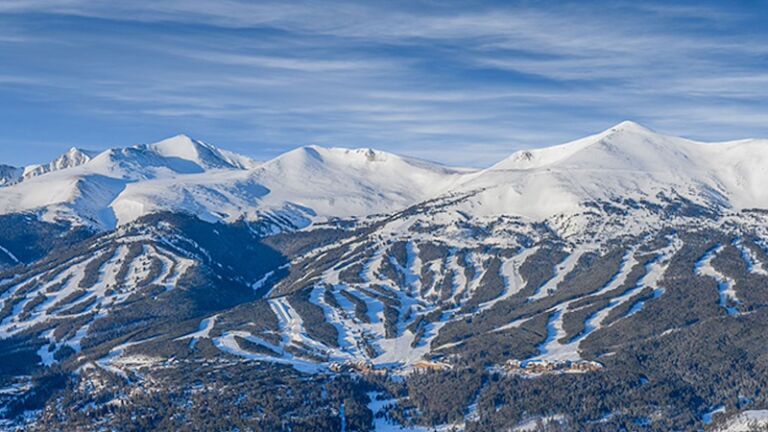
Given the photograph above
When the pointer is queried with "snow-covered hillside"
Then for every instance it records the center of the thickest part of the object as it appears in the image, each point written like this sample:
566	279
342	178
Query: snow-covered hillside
625	165
553	286
625	162
181	174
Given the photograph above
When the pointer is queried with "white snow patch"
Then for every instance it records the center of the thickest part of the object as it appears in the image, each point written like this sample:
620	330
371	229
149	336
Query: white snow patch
725	284
746	421
561	271
203	332
9	254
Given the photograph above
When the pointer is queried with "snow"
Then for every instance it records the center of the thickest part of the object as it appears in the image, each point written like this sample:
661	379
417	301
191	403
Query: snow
203	154
291	325
745	421
114	359
291	328
81	333
399	352
203	332
561	271
9	254
347	330
460	281
313	183
227	343
45	354
412	269
754	266
174	267
394	352
382	424
553	349
182	174
708	417
725	284
532	424
74	157
513	280
626	161
468	287
259	284
105	293
10	175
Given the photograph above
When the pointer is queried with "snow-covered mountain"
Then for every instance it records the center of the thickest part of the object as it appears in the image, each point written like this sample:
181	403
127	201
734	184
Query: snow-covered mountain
626	164
10	175
552	287
74	157
204	155
181	174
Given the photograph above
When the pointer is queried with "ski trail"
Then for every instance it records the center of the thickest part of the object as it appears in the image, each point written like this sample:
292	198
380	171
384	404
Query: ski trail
203	332
562	270
510	274
754	265
9	254
725	284
551	348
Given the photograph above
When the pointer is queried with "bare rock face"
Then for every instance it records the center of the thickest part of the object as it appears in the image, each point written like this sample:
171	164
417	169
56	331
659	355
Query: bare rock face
9	175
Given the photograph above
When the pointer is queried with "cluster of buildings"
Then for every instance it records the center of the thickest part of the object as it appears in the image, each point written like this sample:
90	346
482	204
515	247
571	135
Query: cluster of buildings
362	367
539	367
427	366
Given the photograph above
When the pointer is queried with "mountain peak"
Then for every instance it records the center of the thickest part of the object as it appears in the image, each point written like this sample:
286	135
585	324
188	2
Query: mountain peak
351	155
9	175
72	158
184	147
76	150
627	139
179	142
628	126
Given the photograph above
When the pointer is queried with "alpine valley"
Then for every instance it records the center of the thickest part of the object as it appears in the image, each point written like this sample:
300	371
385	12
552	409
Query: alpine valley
617	282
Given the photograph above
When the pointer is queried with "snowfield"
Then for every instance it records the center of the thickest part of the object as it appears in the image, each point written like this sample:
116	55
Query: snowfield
312	183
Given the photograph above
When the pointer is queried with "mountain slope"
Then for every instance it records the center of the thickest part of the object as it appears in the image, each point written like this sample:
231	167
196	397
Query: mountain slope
618	282
9	175
345	183
204	155
181	174
294	189
625	164
74	157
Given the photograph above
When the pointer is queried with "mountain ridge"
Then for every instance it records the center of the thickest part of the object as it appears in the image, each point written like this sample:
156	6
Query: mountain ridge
313	183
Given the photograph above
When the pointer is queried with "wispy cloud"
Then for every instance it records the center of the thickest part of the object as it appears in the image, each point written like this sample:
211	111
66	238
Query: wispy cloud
460	83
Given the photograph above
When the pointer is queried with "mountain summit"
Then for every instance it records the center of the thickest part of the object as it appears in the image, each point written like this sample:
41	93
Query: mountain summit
74	157
205	155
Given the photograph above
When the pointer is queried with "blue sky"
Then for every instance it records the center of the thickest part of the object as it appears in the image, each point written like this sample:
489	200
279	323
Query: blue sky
463	83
